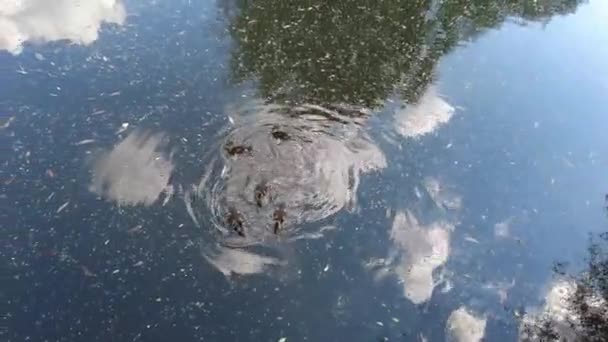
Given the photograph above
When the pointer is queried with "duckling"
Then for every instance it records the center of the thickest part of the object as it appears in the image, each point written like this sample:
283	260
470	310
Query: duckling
280	135
260	192
234	220
234	150
279	218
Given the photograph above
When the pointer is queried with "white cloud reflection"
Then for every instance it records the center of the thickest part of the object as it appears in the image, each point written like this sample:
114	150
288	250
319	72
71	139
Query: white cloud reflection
423	117
416	252
78	21
463	326
136	171
230	261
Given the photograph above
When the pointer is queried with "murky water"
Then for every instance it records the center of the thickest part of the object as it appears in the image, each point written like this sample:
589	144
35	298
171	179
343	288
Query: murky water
296	171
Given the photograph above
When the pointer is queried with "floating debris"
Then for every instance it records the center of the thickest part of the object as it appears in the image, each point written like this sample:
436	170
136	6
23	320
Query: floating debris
49	173
116	93
123	127
380	324
282	339
471	239
10	180
87	272
326	268
395	319
135	229
63	206
7	123
84	142
502	229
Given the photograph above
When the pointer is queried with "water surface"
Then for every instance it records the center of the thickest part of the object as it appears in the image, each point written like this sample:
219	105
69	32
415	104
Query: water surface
290	171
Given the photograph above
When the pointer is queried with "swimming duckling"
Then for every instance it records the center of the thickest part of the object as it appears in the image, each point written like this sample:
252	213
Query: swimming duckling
279	218
234	150
260	192
235	221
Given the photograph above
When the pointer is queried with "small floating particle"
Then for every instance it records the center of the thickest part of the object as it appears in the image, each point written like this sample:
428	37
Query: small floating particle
380	324
39	56
282	339
471	239
50	173
63	206
7	123
135	229
326	268
138	264
87	272
116	93
448	145
115	271
123	127
158	299
395	319
105	243
84	142
97	112
10	180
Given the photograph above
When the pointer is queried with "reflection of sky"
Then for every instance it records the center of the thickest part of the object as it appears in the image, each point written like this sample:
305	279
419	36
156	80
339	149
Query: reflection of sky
135	171
43	21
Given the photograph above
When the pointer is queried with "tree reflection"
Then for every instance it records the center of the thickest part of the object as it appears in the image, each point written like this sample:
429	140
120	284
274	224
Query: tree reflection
361	52
583	314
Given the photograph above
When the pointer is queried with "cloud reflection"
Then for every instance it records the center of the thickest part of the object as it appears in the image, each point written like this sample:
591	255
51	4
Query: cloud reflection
231	261
44	20
416	252
423	117
135	171
463	326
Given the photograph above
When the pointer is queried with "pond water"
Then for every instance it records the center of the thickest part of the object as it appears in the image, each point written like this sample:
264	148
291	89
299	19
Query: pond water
264	170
